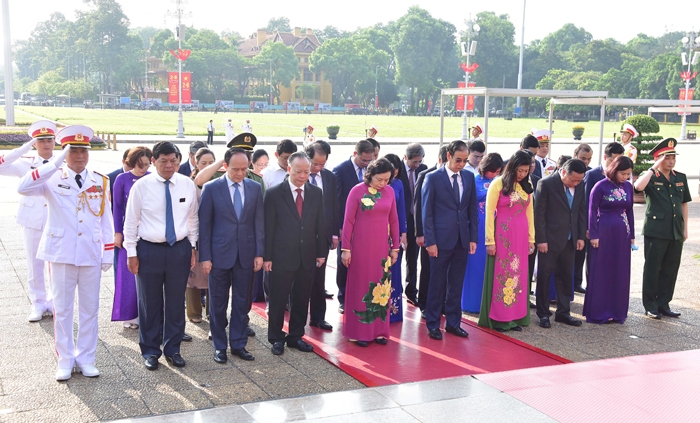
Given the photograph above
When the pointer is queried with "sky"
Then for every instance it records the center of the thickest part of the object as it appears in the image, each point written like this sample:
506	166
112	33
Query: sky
602	18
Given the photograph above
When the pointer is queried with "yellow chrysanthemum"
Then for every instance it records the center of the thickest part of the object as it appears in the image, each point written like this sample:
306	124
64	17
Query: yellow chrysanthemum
372	190
507	300
368	202
510	283
507	291
381	294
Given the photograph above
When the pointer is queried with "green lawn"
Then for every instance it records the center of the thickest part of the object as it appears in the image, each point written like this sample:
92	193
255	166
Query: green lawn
280	124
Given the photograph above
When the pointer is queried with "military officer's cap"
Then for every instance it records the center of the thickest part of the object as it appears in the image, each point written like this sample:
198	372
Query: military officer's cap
309	126
42	129
665	148
75	136
630	129
244	140
542	135
479	127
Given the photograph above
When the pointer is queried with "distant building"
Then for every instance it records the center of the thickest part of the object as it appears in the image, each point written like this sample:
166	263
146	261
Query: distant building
304	44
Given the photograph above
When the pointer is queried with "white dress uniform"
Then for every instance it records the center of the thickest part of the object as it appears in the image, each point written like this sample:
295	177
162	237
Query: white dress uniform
78	241
247	127
32	213
228	128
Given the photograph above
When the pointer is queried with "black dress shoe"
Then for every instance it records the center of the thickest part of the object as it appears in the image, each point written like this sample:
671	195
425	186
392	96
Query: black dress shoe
301	345
457	331
435	334
568	320
186	338
653	315
328	295
361	343
176	360
517	328
242	353
500	330
544	322
381	341
412	301
152	362
321	325
669	313
580	289
532	305
250	331
341	309
278	348
220	356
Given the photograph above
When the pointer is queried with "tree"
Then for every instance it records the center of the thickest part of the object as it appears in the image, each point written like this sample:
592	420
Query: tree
307	92
282	63
330	32
597	56
563	39
146	33
643	46
280	24
659	77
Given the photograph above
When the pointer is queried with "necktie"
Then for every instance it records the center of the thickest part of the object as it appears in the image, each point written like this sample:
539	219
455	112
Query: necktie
412	186
46	161
455	187
359	174
313	179
569	197
237	200
170	236
77	181
300	201
544	165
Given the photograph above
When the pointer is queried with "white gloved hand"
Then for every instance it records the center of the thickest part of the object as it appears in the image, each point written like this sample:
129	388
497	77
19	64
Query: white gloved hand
106	266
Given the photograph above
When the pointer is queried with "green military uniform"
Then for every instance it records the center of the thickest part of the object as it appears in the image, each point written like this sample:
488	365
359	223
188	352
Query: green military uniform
663	232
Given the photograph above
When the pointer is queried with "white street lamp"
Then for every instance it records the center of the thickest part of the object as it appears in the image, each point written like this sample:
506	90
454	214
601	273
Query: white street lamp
468	49
692	43
180	33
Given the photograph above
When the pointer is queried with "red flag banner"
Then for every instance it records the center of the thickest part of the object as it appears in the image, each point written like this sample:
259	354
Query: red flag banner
172	88
470	98
681	96
459	102
186	87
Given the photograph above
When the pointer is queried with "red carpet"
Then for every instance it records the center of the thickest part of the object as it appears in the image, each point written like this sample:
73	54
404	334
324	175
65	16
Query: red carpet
412	356
650	388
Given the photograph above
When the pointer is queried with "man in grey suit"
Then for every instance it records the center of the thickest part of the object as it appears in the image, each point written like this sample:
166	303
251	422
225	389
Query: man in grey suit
560	230
231	243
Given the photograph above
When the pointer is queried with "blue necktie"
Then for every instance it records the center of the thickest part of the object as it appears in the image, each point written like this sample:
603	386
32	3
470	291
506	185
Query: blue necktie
237	200
170	236
313	179
359	174
569	197
455	187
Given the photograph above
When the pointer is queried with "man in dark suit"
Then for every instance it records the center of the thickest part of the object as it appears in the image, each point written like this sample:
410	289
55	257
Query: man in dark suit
450	227
413	163
295	244
424	285
348	174
187	167
583	152
560	230
231	245
530	143
323	178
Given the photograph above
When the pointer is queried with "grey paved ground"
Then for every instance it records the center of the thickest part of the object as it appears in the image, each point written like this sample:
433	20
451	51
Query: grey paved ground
28	391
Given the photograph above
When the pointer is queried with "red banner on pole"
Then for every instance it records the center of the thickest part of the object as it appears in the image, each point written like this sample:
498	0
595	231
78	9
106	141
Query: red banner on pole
681	96
470	98
459	102
172	88
186	87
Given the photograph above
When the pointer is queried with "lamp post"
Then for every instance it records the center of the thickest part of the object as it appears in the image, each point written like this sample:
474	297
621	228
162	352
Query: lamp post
180	32
376	82
691	42
522	53
472	31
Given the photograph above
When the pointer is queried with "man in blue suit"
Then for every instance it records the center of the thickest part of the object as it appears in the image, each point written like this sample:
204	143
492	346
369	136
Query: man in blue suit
231	244
450	228
348	174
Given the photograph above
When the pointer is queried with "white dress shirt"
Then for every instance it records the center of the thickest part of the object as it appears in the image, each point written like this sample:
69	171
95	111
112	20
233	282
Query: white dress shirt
273	175
471	169
210	127
231	190
145	210
459	181
294	189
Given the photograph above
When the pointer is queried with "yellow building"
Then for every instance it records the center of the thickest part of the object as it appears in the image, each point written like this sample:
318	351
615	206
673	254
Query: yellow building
304	44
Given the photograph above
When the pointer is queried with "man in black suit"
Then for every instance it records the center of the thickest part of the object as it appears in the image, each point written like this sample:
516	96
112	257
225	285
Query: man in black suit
323	178
582	152
413	162
187	167
560	230
450	227
348	174
295	245
231	243
530	143
420	239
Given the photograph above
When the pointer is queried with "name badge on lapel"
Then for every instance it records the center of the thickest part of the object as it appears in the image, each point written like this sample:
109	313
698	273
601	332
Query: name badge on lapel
659	183
63	186
182	200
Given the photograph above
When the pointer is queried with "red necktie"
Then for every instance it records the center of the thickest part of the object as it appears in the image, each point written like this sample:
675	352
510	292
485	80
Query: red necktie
300	201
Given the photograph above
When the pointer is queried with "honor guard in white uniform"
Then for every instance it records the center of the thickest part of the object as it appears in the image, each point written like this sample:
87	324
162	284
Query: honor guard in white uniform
309	137
476	132
247	127
629	132
547	165
78	242
32	211
228	127
372	132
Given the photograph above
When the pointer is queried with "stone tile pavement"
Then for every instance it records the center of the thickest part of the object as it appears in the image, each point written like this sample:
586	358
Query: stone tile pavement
125	389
